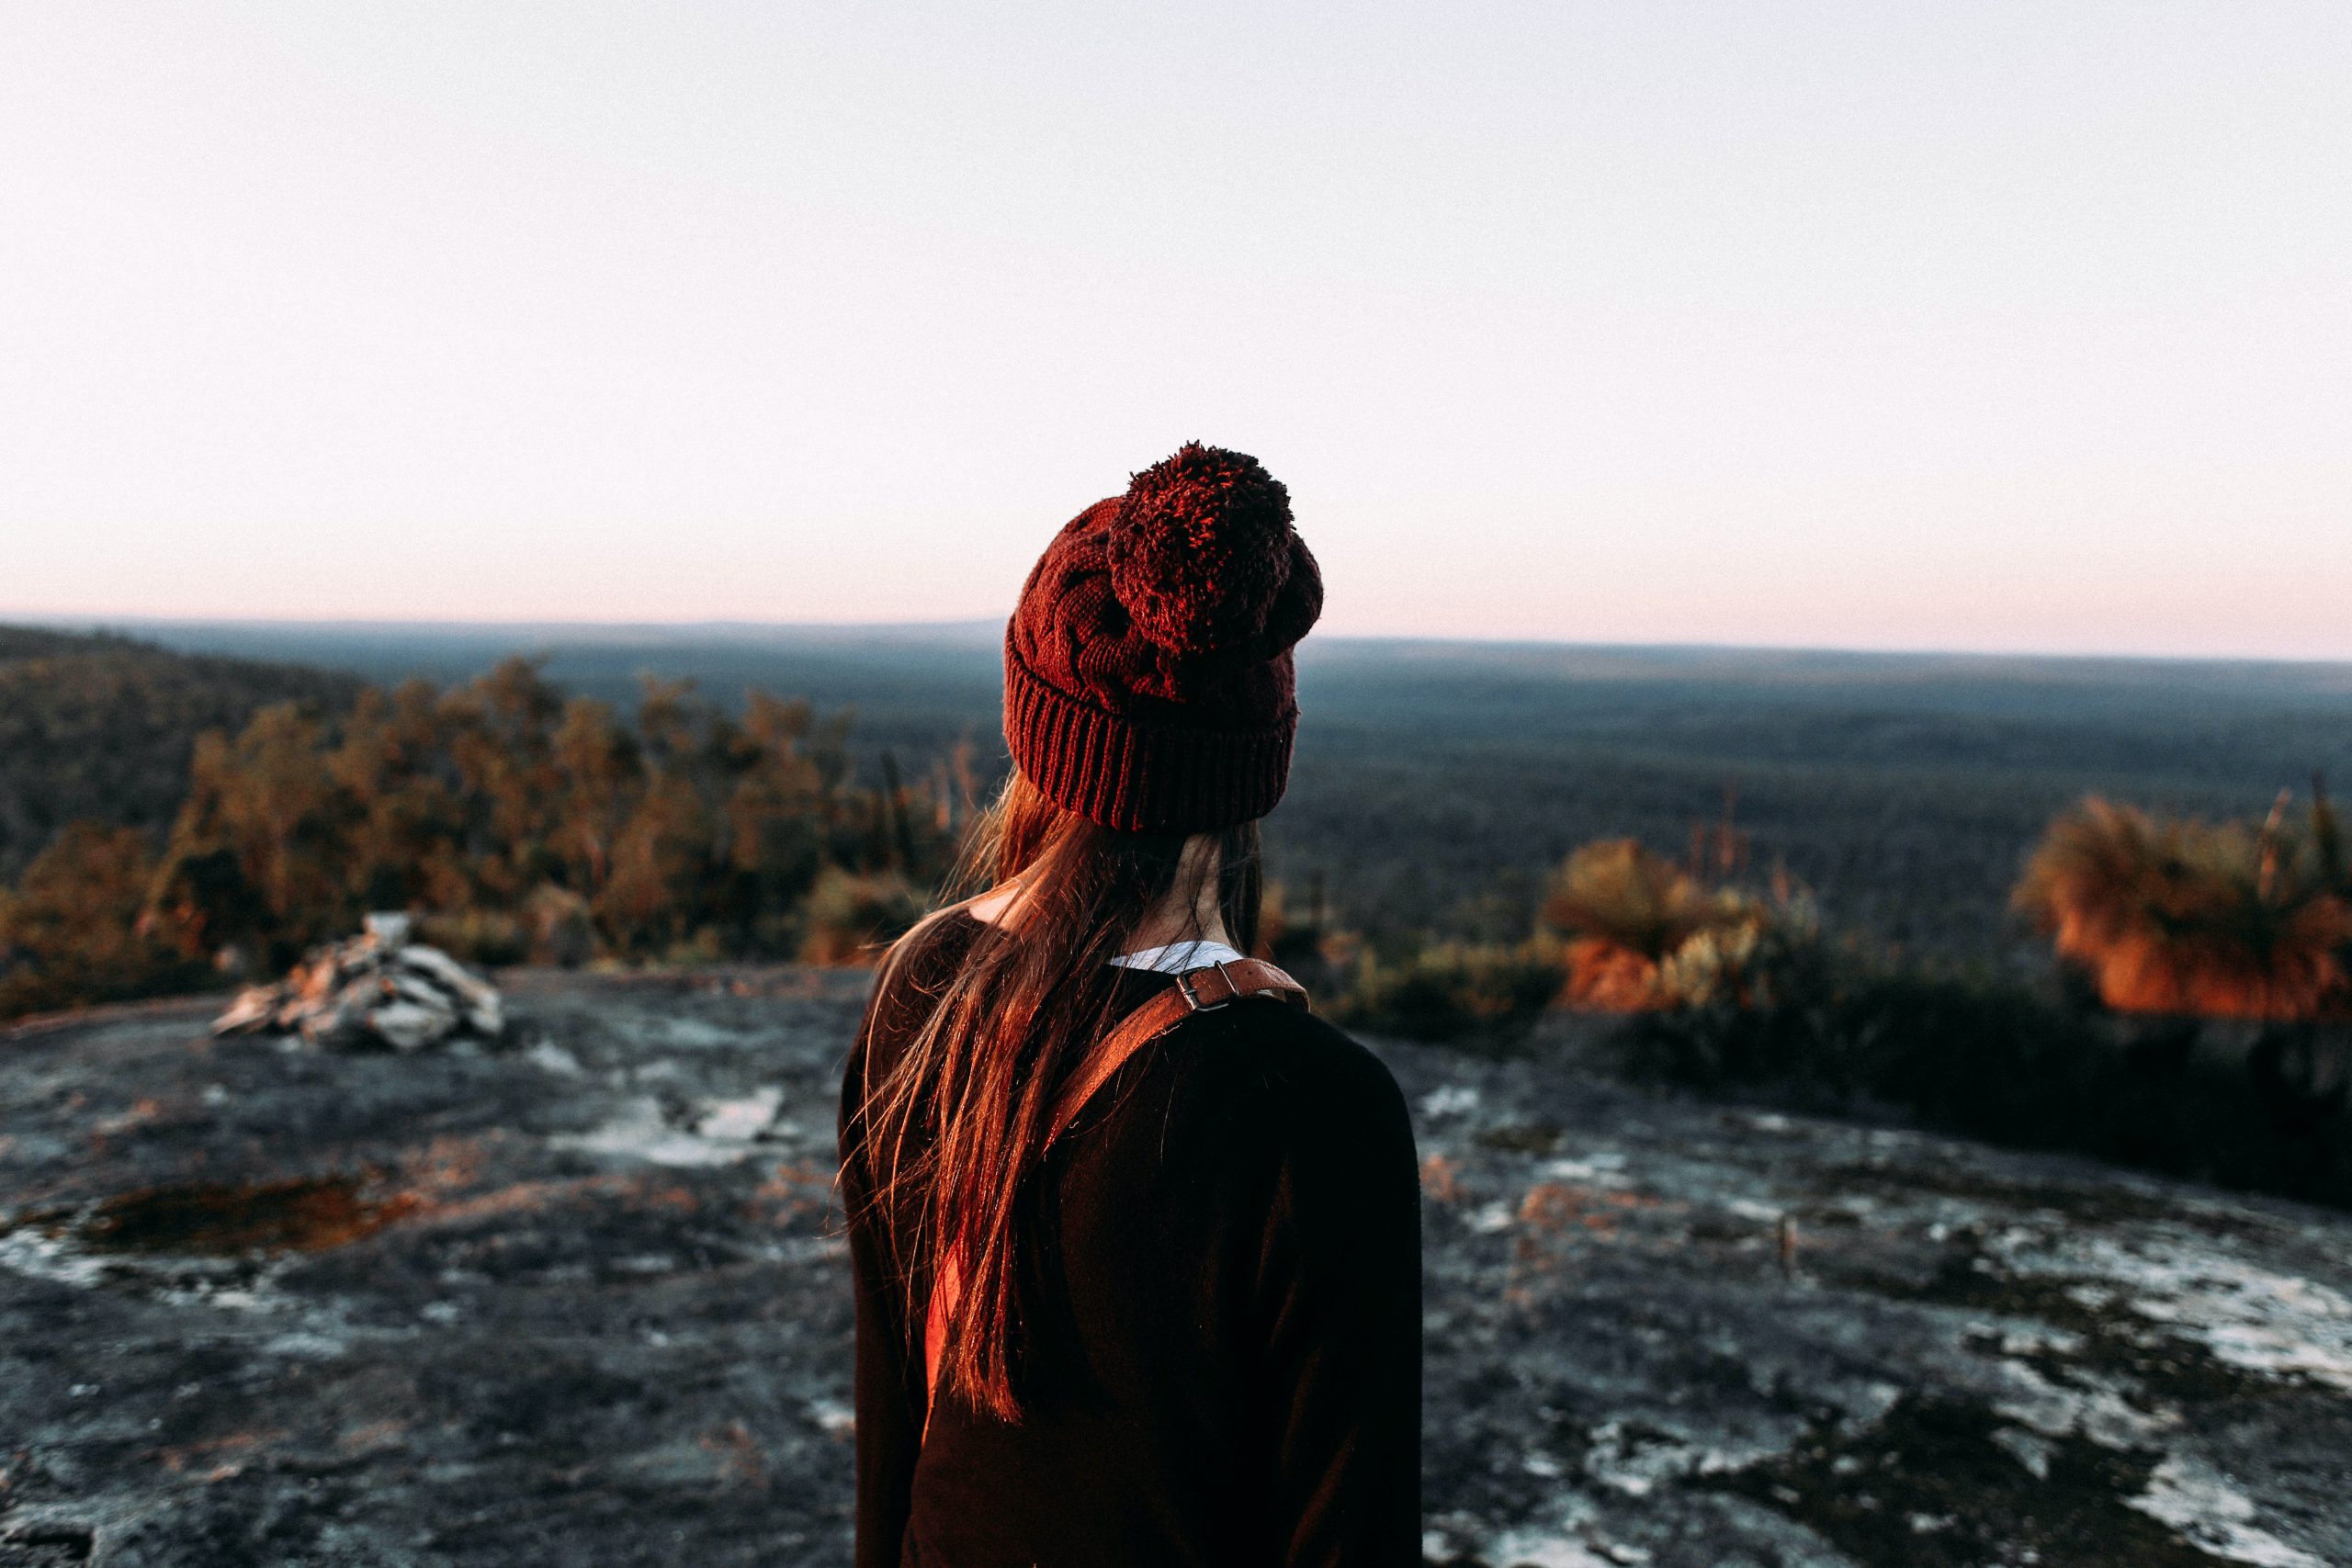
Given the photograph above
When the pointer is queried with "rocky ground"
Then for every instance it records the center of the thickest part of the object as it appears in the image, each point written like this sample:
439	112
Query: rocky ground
578	1299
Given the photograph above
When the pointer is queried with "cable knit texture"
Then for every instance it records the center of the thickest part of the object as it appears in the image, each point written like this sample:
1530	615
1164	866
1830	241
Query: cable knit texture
1147	676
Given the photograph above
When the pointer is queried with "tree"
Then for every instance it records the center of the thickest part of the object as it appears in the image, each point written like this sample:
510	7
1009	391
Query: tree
603	779
401	851
513	821
499	730
775	817
661	863
259	850
70	934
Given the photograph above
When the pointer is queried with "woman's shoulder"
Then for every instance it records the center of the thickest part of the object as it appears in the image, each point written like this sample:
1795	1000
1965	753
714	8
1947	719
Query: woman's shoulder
1274	1117
1290	1070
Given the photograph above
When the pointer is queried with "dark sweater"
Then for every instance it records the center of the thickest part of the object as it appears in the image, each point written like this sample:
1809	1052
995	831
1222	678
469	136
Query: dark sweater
1223	1362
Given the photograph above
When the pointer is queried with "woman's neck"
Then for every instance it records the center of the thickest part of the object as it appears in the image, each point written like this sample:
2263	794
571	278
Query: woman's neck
1166	922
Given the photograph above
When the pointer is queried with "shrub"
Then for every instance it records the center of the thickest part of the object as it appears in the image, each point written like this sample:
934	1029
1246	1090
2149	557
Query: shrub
2193	917
1452	992
1998	1060
1644	933
1624	910
850	918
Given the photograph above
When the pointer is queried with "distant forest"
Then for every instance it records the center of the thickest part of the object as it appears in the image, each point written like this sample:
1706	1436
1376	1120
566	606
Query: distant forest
1437	785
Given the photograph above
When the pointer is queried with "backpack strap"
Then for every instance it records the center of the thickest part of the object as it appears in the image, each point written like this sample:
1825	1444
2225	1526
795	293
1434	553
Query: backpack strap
1204	989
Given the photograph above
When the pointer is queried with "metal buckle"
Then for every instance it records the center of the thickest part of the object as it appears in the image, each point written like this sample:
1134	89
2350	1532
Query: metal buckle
1192	995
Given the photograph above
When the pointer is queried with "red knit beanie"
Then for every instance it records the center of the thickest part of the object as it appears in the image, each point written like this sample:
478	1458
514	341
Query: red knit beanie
1148	680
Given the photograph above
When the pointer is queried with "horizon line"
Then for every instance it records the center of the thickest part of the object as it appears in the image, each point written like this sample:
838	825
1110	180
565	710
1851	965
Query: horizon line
966	626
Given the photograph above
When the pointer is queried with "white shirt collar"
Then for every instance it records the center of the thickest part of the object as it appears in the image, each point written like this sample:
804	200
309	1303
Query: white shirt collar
1178	956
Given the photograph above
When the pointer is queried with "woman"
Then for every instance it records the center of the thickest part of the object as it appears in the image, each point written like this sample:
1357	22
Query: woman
1135	1244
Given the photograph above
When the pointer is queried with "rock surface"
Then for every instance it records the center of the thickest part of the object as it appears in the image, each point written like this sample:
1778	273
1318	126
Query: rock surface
582	1299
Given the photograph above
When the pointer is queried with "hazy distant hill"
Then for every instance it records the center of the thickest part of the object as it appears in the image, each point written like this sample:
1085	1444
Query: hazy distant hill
910	685
93	725
1437	782
40	642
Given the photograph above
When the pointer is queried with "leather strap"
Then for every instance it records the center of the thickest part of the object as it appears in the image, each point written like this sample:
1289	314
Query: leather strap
1203	989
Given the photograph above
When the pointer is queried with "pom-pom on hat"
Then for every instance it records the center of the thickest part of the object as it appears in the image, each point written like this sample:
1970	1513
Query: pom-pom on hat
1147	678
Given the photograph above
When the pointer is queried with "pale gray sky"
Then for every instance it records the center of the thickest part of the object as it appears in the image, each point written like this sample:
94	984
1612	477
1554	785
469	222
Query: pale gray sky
1957	325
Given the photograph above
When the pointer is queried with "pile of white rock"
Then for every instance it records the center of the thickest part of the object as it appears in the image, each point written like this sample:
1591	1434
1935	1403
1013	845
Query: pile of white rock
377	989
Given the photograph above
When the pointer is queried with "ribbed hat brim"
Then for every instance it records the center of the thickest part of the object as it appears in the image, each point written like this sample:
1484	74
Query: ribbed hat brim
1161	778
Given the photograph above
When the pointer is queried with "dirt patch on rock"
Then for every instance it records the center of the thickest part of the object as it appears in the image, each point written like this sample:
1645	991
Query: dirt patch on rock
233	1219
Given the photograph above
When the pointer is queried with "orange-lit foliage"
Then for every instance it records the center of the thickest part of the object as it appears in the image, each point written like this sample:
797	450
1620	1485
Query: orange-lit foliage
1644	933
521	824
2173	916
1625	910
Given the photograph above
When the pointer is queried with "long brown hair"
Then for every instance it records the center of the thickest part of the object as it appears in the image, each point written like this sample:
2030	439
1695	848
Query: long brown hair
961	1122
